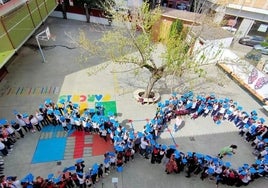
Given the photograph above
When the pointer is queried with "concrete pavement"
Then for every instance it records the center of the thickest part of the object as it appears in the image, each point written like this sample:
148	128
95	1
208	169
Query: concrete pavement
66	71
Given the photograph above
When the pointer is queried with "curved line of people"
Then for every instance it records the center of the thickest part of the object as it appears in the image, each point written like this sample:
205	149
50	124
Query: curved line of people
127	142
212	167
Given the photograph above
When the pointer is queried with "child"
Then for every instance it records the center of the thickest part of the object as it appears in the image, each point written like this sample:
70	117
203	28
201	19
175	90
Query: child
178	123
127	155
228	150
119	161
103	133
107	166
100	171
154	155
112	161
34	122
64	124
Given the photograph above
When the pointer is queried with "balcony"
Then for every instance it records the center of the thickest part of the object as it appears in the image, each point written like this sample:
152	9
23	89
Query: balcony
19	19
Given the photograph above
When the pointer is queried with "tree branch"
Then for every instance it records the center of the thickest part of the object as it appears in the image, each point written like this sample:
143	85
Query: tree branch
135	43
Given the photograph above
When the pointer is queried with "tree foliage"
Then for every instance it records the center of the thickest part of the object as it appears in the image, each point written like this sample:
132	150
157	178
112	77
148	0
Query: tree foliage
265	42
176	29
132	32
100	4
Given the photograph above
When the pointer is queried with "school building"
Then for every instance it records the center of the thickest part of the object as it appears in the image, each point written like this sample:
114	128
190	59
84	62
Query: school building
19	19
247	17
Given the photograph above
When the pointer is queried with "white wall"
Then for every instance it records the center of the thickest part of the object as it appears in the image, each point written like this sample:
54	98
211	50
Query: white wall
211	51
220	13
74	16
243	71
134	3
57	14
80	17
240	68
256	15
225	43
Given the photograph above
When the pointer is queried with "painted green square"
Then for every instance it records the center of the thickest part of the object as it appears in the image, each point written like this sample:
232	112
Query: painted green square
109	106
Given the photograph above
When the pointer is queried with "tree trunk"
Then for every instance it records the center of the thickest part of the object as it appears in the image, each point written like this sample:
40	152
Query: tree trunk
87	13
64	13
156	74
153	79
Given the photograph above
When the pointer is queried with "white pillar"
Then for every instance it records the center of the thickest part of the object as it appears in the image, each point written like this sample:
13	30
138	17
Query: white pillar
244	27
220	13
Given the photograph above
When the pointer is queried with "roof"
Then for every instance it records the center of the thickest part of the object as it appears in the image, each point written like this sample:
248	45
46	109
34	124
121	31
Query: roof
211	32
205	31
182	15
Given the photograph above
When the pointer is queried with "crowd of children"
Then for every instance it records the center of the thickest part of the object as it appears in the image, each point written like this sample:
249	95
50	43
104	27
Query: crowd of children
128	143
213	167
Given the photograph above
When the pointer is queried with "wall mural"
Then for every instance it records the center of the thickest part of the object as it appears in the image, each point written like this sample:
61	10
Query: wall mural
254	80
257	81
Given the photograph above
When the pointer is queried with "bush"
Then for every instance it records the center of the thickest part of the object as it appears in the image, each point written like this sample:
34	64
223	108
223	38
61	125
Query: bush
253	57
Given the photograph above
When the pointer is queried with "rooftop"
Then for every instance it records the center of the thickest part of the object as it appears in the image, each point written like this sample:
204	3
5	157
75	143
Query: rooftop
182	15
211	32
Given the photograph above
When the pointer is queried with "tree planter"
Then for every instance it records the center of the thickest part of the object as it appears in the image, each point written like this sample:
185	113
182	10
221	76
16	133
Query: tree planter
153	98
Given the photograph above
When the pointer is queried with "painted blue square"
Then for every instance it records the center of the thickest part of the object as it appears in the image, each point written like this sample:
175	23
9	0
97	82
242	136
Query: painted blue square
48	150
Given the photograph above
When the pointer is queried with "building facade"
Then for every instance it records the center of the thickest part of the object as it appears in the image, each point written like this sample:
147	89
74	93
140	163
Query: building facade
247	17
19	19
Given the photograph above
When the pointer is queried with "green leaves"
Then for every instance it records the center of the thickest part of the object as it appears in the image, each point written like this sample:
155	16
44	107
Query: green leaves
100	4
176	29
129	40
265	43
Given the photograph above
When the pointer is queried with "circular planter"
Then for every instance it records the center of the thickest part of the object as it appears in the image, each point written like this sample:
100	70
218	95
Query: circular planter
153	98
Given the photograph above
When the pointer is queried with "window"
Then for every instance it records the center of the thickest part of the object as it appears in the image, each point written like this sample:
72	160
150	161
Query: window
259	29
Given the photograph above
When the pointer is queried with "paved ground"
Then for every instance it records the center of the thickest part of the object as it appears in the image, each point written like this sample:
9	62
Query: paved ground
242	50
66	71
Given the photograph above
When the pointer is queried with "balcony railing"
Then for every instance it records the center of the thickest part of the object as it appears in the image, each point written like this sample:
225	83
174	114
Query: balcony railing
19	23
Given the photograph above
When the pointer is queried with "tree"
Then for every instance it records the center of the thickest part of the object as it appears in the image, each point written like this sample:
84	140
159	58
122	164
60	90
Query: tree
133	33
99	4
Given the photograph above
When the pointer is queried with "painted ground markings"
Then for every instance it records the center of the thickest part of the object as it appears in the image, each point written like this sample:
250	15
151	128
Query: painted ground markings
55	144
24	91
69	150
51	145
48	150
80	145
109	106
